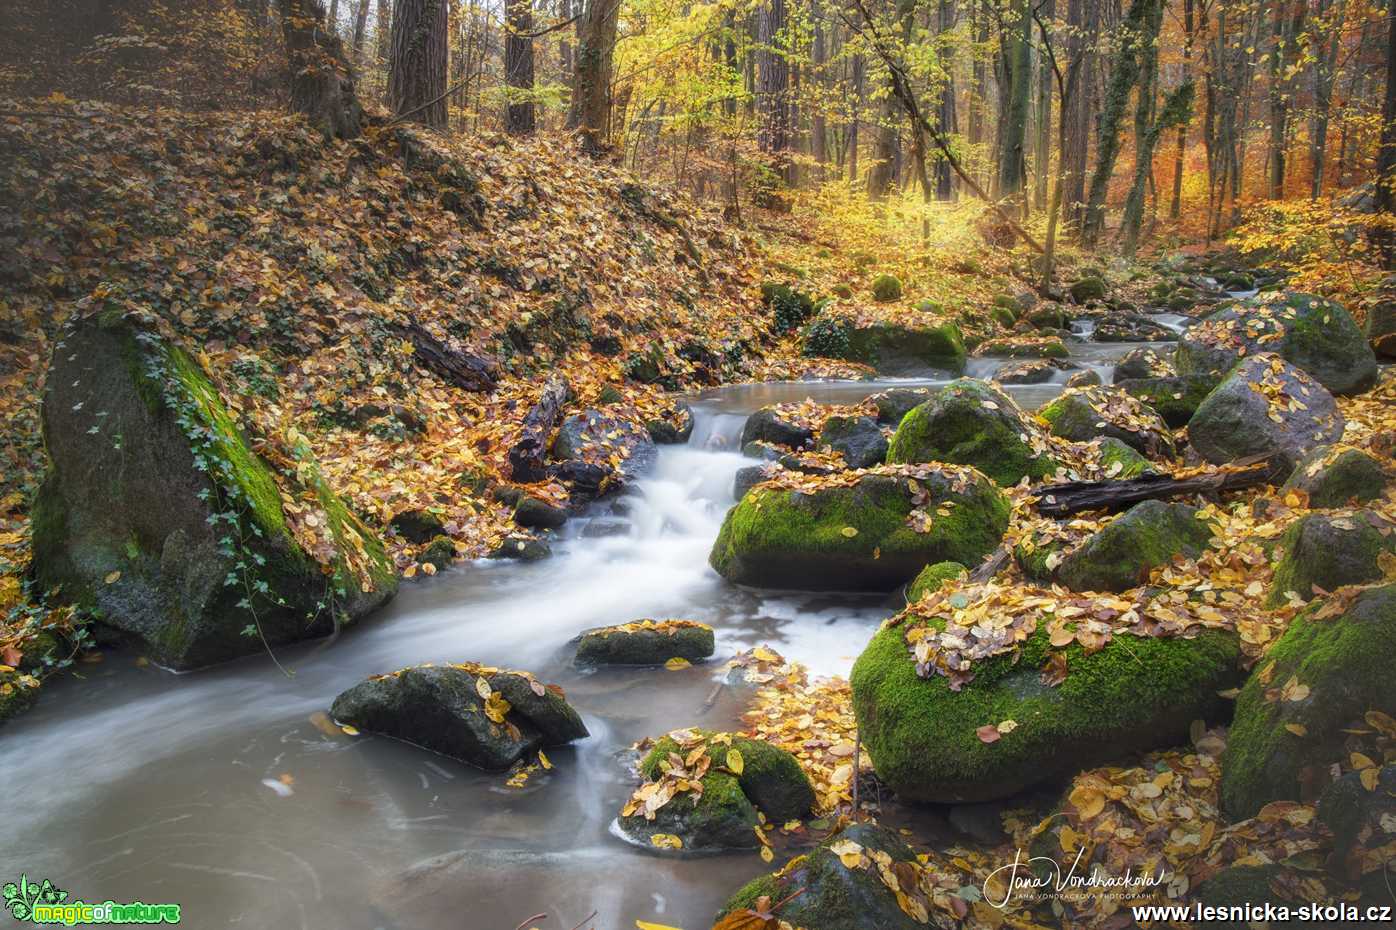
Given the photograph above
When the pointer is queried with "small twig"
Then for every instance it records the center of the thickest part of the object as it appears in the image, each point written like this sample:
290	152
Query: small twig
712	695
857	751
528	920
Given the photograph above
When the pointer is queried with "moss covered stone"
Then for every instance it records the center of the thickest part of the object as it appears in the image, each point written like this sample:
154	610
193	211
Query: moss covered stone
1119	556
1174	398
971	422
771	425
1115	453
1136	693
894	404
771	777
1339	476
157	515
821	893
447	709
1014	347
646	642
1082	414
858	439
1254	886
1312	333
1088	288
886	287
856	536
18	692
895	346
1344	662
933	578
1326	552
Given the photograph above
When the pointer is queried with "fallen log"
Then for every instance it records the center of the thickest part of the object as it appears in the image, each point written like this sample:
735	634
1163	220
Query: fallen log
526	456
451	363
1060	500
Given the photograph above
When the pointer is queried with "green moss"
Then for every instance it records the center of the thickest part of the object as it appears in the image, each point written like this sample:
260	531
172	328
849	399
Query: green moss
1136	693
1334	478
1121	554
1003	316
16	695
771	777
1082	414
779	538
1088	288
940	346
621	646
1132	464
722	818
933	578
1346	664
955	427
886	287
762	886
1021	348
1175	399
1319	552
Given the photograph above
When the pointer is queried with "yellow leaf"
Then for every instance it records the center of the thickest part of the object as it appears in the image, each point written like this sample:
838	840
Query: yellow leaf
1380	721
352	731
849	531
1298	729
1087	800
849	853
112	578
766	854
666	841
496	707
1008	726
734	761
676	663
646	925
482	688
1360	762
543	760
1369	778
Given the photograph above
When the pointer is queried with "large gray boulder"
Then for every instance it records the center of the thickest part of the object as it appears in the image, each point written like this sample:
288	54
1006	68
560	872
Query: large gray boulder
1310	332
487	717
156	514
598	437
858	439
1265	406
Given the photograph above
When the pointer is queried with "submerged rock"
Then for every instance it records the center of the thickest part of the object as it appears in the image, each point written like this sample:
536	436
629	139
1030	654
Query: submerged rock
870	530
1265	406
971	422
1133	694
535	513
487	717
154	500
858	439
823	891
1088	377
739	776
645	642
1338	476
1121	555
1321	552
1323	675
1312	333
1082	414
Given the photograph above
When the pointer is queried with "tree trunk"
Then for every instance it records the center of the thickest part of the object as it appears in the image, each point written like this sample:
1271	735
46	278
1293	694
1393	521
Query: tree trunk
773	91
1042	120
946	120
819	141
322	81
1145	137
1324	71
590	113
859	76
1083	25
417	67
1124	74
980	77
360	25
1175	204
1289	19
518	67
1386	154
1018	67
382	31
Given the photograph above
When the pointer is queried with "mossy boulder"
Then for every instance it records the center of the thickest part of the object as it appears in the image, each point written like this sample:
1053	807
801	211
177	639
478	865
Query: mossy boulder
1134	694
1174	398
771	777
1143	362
18	692
598	436
859	534
772	425
1322	551
886	287
1335	669
536	513
1338	476
156	514
1360	820
724	815
1083	414
1265	406
971	422
1119	460
1120	555
1036	371
645	642
1254	886
933	578
438	553
891	347
858	439
1088	288
895	403
1312	333
1048	316
821	893
1085	378
417	526
1381	325
487	717
673	428
1017	347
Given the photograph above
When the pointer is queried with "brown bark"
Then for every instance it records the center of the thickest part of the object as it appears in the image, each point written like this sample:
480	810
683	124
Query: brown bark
518	67
1059	500
451	363
417	69
590	112
526	457
322	81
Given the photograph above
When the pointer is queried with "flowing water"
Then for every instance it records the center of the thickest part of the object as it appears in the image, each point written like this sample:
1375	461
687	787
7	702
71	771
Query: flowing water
217	790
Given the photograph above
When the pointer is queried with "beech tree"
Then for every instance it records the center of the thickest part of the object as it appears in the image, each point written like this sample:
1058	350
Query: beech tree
518	67
417	65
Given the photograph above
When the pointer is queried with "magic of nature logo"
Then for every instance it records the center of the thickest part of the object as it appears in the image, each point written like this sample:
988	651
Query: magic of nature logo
44	903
